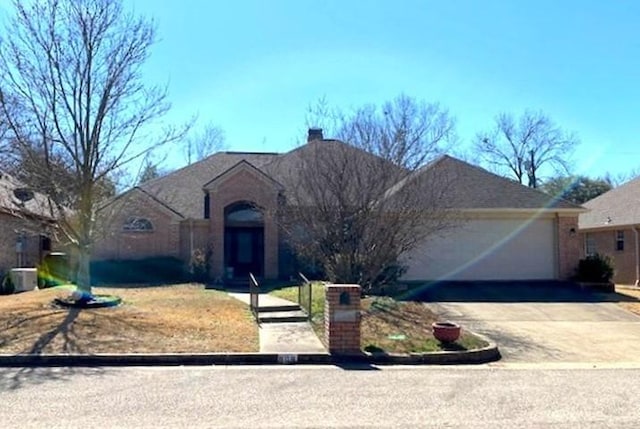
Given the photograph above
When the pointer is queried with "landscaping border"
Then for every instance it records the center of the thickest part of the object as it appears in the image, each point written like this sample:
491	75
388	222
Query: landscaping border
487	354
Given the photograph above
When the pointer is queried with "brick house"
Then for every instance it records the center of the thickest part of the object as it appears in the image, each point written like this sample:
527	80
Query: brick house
610	227
25	226
511	231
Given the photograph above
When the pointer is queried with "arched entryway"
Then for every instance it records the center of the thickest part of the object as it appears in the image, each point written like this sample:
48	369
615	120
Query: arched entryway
243	240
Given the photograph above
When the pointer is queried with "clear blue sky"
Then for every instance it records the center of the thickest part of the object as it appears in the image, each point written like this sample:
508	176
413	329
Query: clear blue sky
253	67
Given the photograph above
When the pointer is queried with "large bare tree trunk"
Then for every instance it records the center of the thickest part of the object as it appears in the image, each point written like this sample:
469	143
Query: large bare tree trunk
83	276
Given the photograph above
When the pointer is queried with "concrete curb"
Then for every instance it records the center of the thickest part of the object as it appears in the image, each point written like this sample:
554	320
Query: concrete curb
484	355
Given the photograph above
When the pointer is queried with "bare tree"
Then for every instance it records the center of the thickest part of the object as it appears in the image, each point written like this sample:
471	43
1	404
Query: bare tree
76	105
355	207
619	179
404	131
522	147
203	143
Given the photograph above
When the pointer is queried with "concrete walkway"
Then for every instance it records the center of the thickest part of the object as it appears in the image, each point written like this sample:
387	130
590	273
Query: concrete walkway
287	337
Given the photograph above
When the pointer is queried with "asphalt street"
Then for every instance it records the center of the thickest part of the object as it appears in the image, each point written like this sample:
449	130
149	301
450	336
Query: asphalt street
487	396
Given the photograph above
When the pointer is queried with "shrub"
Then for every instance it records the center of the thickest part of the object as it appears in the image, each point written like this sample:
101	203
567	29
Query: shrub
200	264
6	286
150	270
595	268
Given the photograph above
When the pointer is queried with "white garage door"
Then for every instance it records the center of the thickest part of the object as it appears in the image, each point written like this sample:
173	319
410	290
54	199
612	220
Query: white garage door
487	249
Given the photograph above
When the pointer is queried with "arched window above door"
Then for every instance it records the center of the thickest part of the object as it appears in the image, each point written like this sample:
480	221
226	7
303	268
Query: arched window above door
243	213
137	224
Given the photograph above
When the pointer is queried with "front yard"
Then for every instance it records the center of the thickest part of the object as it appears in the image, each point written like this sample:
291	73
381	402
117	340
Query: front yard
388	325
170	319
186	318
633	304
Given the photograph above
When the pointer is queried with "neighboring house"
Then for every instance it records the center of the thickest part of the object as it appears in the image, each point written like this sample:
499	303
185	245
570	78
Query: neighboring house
25	225
610	227
510	231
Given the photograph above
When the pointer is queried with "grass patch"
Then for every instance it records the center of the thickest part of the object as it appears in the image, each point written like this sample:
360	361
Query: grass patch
170	319
388	326
317	297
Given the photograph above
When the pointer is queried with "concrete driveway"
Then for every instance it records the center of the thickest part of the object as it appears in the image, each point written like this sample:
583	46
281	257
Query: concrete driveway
577	327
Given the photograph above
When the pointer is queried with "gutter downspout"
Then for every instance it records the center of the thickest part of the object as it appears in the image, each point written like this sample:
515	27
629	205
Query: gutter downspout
635	235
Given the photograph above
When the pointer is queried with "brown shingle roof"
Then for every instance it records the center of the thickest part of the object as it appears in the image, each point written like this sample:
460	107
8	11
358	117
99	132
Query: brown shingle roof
618	207
284	167
476	188
37	206
182	189
472	187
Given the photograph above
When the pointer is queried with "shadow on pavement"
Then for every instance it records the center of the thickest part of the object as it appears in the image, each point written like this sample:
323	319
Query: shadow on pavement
17	378
534	291
356	366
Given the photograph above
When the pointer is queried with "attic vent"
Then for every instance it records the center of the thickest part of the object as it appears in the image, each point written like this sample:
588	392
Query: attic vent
23	194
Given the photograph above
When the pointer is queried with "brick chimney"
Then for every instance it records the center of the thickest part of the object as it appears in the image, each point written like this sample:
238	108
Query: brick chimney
314	134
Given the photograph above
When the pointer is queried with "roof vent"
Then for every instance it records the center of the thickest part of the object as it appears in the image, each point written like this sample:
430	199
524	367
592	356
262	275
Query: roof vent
23	194
314	134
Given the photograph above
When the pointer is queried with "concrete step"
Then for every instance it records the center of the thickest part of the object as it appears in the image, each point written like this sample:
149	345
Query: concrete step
278	308
282	317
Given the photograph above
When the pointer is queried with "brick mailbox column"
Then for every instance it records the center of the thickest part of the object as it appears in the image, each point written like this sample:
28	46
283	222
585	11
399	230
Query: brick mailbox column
342	318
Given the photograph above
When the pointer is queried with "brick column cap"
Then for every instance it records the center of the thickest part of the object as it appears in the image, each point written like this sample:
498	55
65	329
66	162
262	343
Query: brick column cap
342	286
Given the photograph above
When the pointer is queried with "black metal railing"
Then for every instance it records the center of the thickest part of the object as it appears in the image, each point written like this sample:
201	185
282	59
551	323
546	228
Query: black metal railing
305	295
254	292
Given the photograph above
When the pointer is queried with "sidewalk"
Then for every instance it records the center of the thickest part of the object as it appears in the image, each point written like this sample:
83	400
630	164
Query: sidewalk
285	337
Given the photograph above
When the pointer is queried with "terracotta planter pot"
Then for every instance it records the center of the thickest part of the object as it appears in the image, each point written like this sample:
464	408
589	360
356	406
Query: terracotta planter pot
446	332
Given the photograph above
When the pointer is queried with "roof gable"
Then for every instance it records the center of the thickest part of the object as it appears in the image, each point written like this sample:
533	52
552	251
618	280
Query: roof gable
114	204
182	189
617	207
243	165
473	187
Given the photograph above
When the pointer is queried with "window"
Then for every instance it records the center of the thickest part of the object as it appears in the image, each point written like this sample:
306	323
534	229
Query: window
243	214
45	243
620	240
137	224
590	244
207	206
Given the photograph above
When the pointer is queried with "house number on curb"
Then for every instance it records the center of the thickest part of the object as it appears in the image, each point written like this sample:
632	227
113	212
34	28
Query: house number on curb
287	358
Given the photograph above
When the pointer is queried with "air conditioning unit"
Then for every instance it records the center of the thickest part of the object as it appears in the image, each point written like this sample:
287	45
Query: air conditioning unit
24	279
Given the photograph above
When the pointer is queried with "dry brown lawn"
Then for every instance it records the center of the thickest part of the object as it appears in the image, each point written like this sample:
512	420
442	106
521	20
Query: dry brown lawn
634	294
404	327
388	325
169	319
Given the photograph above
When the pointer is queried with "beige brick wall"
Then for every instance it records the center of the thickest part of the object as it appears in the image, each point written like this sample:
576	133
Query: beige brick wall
194	234
569	246
10	229
244	185
623	260
115	243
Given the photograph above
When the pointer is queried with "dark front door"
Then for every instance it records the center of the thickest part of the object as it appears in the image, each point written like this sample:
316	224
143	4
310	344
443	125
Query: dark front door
244	250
